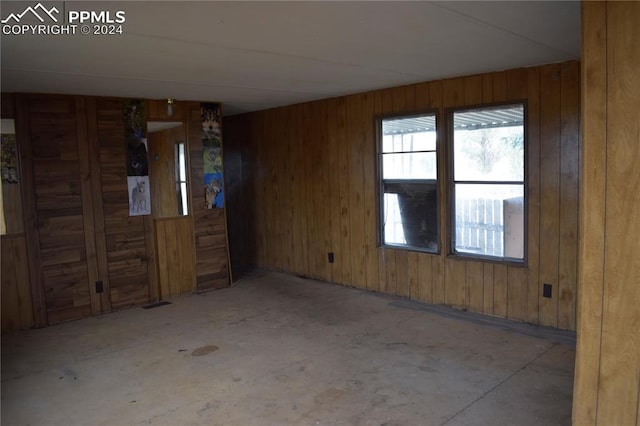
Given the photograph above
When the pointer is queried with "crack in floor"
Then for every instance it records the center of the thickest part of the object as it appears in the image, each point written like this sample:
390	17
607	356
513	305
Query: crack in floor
506	379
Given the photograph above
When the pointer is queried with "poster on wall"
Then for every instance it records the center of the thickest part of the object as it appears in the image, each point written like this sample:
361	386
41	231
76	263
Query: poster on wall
8	150
139	202
212	153
135	131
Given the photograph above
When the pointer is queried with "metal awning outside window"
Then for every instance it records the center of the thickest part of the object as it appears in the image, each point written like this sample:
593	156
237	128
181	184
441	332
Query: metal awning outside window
503	116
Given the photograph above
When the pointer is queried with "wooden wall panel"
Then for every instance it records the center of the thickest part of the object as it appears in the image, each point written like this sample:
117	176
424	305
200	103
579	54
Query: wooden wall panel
17	309
549	189
211	253
162	171
124	235
53	134
336	145
569	172
607	379
174	237
74	227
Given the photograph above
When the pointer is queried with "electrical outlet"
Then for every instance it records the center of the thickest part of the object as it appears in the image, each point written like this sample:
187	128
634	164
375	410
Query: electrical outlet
546	290
330	256
99	287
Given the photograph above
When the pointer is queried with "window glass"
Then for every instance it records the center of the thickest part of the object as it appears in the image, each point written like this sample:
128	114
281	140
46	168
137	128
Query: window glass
488	182
409	171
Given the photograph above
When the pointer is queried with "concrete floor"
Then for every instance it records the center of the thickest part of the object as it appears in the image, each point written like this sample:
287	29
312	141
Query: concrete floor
281	350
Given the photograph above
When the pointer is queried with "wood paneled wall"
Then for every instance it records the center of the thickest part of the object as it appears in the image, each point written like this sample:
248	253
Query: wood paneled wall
175	240
308	187
129	243
17	307
212	256
74	227
607	379
162	171
55	133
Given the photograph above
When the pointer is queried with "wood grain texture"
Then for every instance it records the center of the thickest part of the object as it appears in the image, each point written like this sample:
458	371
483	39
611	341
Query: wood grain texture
620	345
210	232
533	195
569	182
17	309
56	123
334	141
549	190
607	376
175	256
29	208
125	239
98	207
162	171
11	193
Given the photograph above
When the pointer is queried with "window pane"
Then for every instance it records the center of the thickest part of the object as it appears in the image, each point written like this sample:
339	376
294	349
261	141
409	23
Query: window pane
416	133
182	163
410	215
420	165
489	144
489	220
181	189
423	141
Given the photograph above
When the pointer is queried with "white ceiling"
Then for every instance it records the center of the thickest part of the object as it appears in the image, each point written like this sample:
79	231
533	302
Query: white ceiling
258	55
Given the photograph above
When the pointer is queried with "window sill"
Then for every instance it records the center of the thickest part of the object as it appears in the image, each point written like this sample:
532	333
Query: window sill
488	259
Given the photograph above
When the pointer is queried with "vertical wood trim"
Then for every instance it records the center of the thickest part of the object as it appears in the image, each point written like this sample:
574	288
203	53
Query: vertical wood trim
86	189
425	277
487	297
550	189
355	151
436	101
150	246
19	248
23	137
389	258
516	292
402	273
334	189
370	189
533	195
500	86
591	242
308	181
163	292
500	281
474	282
455	277
345	232
569	182
96	199
412	276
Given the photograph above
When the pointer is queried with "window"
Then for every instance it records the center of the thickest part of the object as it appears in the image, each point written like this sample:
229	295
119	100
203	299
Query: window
181	178
409	173
488	185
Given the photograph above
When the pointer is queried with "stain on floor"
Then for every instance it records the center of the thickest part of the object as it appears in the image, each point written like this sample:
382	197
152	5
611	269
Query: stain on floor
204	350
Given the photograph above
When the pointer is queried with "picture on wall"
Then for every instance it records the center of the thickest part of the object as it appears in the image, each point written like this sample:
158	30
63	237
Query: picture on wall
9	159
8	150
135	130
212	155
139	200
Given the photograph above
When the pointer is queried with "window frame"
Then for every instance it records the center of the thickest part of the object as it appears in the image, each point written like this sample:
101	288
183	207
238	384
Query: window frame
437	183
451	183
